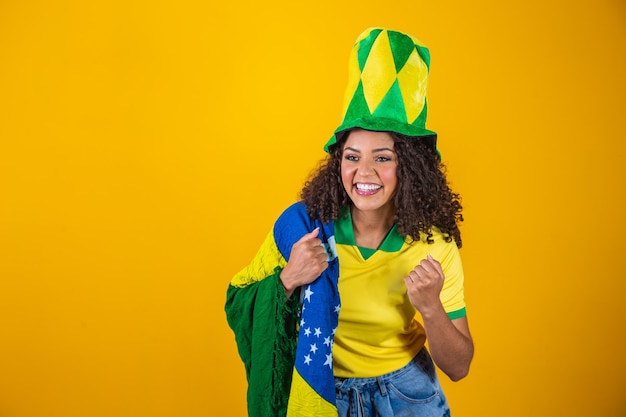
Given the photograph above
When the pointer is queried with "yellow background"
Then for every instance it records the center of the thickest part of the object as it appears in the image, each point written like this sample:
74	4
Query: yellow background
146	147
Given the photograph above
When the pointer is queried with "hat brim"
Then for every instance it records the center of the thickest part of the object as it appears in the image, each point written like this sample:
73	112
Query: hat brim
384	125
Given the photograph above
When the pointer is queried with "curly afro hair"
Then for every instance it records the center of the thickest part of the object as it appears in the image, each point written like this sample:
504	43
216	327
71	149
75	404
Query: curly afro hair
423	199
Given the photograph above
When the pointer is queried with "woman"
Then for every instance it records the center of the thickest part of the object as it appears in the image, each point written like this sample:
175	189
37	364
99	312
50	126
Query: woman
332	315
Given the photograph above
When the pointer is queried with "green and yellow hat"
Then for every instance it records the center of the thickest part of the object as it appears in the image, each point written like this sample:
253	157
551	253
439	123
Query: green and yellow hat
387	82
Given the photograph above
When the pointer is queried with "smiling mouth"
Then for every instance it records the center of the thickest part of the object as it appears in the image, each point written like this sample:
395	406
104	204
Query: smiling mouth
367	188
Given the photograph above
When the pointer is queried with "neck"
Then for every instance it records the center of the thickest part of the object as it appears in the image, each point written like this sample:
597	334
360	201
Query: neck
371	228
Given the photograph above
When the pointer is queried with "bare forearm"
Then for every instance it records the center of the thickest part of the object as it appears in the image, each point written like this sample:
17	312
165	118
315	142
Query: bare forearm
451	345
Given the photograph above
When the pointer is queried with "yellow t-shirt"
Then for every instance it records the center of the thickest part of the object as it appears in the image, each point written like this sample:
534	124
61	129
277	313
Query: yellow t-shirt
379	329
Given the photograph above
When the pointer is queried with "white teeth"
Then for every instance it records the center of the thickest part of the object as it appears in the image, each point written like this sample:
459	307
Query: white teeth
368	187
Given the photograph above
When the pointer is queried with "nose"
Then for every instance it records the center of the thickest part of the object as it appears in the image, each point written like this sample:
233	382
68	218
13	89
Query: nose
366	168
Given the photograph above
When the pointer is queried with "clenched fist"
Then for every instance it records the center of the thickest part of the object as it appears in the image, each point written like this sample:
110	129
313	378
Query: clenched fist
306	262
424	285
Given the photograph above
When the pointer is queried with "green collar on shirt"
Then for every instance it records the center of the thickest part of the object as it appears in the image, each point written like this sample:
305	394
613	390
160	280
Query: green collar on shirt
344	234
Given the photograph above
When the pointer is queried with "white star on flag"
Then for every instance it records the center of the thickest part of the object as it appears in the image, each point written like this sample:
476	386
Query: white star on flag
308	293
314	347
329	361
318	332
307	359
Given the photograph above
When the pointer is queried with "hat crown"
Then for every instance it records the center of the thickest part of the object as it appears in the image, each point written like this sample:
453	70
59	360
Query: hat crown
387	84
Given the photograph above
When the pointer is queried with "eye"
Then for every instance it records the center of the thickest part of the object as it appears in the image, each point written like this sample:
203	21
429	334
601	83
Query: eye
351	157
382	158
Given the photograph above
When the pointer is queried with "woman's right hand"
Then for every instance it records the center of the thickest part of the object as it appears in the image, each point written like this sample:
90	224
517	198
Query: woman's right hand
306	262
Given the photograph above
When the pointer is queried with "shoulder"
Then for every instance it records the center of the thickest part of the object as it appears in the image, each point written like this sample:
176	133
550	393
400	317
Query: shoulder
437	244
291	225
436	237
295	222
294	215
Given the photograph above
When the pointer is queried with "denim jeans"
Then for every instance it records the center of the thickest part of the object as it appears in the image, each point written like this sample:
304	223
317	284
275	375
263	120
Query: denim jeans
413	390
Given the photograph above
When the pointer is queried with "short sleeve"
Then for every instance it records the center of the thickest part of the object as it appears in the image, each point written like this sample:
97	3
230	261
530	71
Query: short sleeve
452	295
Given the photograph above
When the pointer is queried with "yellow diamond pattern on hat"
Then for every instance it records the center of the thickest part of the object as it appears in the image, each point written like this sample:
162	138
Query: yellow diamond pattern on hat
379	72
413	84
354	77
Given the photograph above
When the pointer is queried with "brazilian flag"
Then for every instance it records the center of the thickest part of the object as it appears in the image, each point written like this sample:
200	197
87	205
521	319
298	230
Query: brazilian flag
286	344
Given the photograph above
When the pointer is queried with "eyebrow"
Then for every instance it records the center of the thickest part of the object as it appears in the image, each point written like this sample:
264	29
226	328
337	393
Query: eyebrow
373	150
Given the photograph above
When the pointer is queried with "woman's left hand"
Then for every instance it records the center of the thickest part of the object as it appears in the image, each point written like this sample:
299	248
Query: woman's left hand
450	342
424	285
